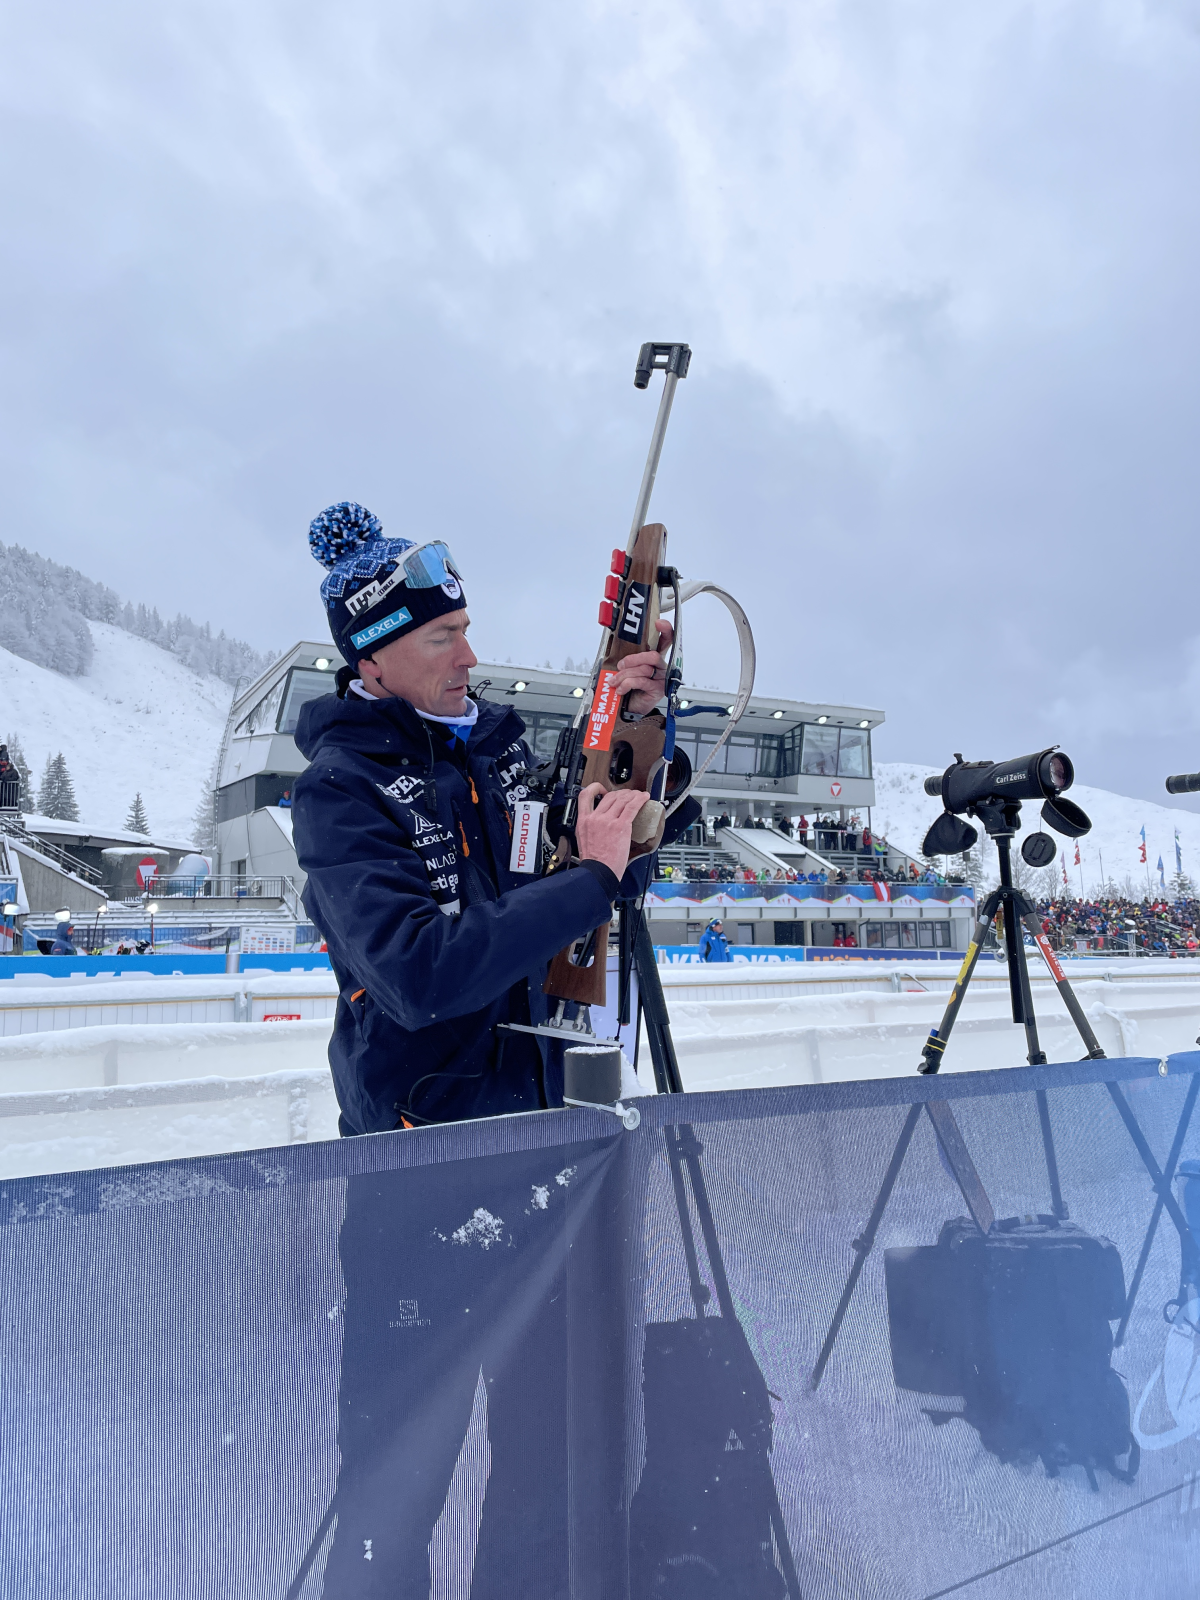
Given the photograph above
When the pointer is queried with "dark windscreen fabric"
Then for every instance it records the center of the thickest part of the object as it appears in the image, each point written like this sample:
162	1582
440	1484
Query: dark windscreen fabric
498	1358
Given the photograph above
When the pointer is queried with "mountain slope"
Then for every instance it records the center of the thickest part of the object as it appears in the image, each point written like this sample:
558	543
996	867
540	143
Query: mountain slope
138	719
904	811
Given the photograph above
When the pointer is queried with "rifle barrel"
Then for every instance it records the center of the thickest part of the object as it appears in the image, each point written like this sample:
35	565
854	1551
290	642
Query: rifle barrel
670	383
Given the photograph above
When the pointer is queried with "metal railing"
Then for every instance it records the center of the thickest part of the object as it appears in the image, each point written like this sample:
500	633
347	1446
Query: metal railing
61	858
168	886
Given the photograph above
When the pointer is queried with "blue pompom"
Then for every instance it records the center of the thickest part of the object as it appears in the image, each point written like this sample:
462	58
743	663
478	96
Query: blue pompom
341	529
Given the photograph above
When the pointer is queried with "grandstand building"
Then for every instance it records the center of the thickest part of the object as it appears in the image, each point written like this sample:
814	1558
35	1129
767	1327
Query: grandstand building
787	760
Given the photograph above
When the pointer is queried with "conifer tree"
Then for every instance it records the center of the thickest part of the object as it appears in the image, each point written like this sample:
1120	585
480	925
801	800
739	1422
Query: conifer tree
972	869
137	821
204	820
56	797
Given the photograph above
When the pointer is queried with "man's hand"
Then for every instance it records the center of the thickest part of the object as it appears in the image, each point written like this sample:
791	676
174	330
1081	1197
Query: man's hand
643	677
605	825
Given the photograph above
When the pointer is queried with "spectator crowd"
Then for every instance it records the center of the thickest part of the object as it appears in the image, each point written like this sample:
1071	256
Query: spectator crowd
697	873
1147	927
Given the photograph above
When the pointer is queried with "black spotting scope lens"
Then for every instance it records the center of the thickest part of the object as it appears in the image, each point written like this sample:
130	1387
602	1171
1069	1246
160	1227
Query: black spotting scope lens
1056	772
1185	783
933	786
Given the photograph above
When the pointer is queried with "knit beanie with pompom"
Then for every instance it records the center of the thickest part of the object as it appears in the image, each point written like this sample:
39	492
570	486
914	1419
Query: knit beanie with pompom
367	598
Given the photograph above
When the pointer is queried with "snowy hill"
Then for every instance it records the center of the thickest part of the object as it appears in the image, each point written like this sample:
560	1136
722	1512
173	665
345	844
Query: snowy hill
137	720
904	811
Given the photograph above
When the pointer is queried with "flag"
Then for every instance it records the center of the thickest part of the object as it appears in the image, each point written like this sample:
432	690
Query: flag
1178	854
1066	884
1162	882
1076	861
882	890
1142	846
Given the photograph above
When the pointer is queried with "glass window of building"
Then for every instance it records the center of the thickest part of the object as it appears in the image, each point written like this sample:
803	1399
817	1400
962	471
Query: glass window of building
830	752
820	756
262	715
790	744
542	729
854	753
741	753
303	684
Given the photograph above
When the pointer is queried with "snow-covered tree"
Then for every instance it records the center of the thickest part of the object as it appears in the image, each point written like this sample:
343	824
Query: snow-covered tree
17	756
970	866
137	821
45	609
56	796
204	819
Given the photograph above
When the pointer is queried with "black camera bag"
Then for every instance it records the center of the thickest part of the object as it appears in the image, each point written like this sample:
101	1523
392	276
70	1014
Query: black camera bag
1017	1323
700	1522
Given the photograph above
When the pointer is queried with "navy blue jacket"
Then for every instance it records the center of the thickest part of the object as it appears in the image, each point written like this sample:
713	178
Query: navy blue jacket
405	834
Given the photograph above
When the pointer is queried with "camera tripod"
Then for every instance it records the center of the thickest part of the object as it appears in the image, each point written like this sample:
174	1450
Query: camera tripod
1001	818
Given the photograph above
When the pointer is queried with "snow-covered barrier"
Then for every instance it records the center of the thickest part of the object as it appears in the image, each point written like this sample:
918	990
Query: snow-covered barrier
838	1341
756	1041
100	1096
73	1046
34	1003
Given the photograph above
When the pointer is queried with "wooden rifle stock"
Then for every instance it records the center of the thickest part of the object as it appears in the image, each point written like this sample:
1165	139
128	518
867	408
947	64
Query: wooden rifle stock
621	751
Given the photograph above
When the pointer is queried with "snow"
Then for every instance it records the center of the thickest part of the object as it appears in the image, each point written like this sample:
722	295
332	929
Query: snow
138	721
903	811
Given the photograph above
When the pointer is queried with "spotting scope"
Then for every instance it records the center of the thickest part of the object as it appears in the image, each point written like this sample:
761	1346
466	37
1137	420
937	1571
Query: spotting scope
992	791
1042	776
1184	783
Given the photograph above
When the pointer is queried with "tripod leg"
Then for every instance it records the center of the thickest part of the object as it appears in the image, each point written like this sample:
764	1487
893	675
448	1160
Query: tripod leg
313	1551
667	1077
685	1150
1091	1043
1168	1173
676	1143
1161	1184
965	1174
931	1054
864	1244
1057	1205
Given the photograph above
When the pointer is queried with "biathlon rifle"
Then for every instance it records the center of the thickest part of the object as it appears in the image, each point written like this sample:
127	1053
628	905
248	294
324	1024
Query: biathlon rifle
606	743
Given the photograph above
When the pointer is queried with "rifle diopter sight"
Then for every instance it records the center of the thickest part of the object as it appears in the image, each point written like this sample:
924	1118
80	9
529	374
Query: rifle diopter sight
673	358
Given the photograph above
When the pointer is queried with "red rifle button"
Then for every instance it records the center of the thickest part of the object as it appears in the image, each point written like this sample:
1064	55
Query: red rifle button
612	587
607	615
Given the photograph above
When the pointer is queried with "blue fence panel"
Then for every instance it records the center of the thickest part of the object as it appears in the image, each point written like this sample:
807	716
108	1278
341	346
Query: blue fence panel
841	1340
139	966
769	954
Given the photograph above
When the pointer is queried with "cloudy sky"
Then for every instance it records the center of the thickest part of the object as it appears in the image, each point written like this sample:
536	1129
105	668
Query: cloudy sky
938	265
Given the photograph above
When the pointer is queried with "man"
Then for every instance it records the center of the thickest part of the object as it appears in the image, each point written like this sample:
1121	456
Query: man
714	946
403	823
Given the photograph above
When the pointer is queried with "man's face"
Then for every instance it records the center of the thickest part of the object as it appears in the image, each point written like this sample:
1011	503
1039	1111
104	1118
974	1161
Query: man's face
428	667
